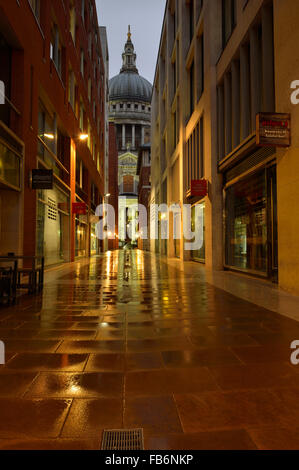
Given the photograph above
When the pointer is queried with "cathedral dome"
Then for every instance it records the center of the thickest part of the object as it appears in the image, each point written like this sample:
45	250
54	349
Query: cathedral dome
129	85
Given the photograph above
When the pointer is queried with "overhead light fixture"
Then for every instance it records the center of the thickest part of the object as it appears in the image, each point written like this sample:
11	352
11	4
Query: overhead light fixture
108	195
83	137
49	136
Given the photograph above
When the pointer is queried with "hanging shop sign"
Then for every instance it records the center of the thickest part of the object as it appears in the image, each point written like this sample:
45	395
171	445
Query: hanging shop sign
199	188
79	208
41	179
273	130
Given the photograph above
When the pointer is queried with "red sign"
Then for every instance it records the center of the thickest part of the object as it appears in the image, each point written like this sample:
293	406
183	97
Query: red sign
273	129
199	188
79	208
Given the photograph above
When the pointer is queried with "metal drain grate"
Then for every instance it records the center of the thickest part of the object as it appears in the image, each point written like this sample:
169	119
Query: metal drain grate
123	439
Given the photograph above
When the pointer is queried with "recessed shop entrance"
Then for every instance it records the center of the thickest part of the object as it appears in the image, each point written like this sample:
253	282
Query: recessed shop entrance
251	223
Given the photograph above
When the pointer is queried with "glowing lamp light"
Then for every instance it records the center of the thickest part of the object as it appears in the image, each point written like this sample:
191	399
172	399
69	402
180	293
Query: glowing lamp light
83	137
49	136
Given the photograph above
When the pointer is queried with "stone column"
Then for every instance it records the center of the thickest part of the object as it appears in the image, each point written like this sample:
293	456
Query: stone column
142	135
133	136
124	136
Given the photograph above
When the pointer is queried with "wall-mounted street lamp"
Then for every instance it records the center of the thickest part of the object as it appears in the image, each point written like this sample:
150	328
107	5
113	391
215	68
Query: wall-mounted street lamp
49	136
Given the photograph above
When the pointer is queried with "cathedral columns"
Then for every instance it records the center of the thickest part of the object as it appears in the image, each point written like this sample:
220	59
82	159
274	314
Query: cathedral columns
133	136
124	136
142	135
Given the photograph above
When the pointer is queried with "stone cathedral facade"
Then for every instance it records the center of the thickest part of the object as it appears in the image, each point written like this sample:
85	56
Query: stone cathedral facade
130	109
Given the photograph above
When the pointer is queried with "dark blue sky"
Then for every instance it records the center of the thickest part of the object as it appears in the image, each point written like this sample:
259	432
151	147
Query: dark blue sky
145	18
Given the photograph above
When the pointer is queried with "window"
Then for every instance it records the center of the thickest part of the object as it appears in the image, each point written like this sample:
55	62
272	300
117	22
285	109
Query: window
73	21
94	151
128	184
228	19
81	116
46	128
246	223
191	88
200	67
61	147
195	154
31	94
79	172
56	49
174	76
90	44
72	87
198	9
82	62
174	123
35	5
191	20
89	142
89	89
83	10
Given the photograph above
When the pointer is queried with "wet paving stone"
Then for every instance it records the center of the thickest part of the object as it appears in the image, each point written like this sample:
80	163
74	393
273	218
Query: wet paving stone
144	344
44	361
106	362
21	418
69	385
88	418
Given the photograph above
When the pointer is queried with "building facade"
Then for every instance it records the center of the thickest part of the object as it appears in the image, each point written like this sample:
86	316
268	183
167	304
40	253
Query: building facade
105	52
112	196
144	190
53	118
220	64
130	111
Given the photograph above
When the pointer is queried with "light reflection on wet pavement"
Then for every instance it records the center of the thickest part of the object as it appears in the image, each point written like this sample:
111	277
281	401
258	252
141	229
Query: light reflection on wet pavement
126	340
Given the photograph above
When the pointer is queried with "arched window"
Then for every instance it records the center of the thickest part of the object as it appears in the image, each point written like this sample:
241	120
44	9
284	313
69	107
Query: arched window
128	184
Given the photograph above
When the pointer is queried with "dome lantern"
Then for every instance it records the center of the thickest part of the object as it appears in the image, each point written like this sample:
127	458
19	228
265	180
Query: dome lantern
129	56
